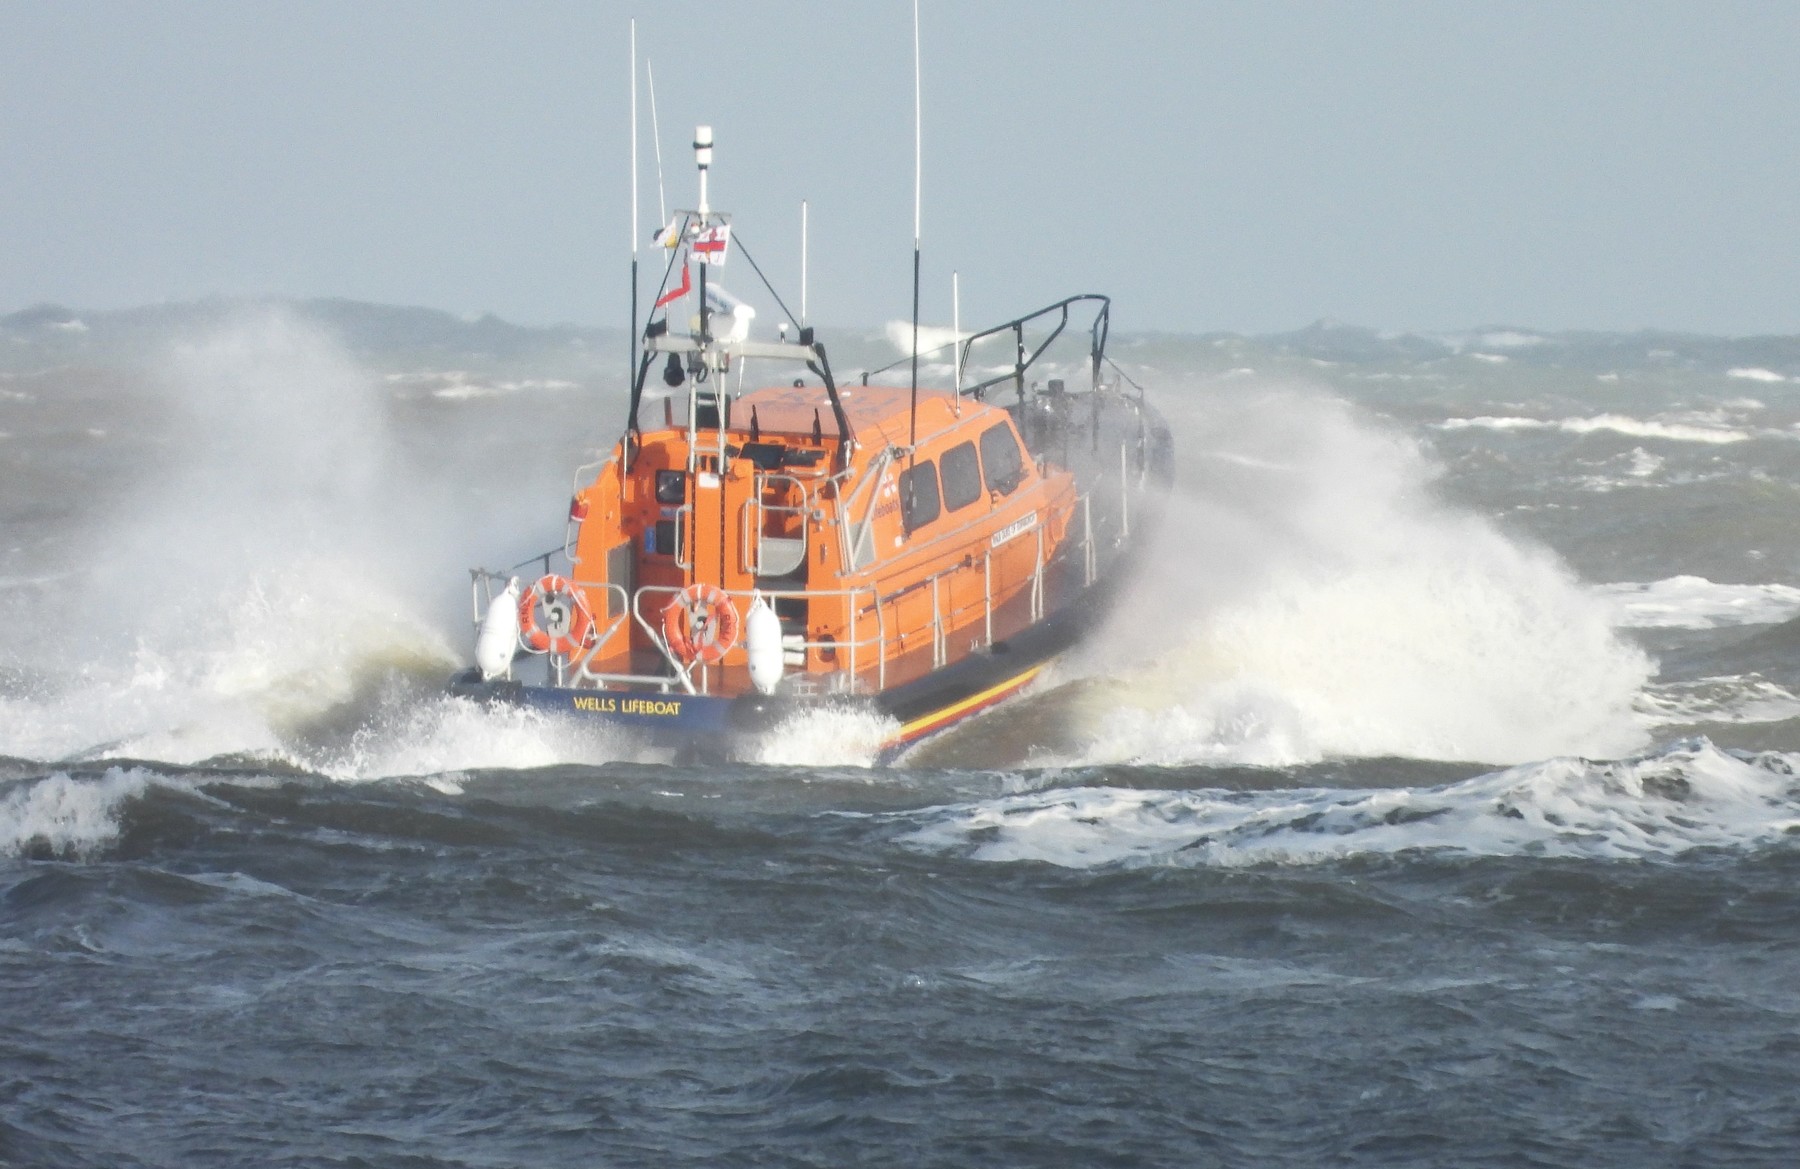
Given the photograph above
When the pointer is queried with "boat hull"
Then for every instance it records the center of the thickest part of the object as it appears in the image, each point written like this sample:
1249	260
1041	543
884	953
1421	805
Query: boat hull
724	727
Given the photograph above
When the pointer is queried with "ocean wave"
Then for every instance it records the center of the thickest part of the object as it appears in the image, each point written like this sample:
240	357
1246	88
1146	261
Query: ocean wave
1314	598
67	816
458	385
1702	429
1639	469
824	738
1690	796
442	738
1693	602
1736	699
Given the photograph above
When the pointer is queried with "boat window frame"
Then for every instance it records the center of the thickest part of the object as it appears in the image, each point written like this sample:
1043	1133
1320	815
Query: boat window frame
909	497
1016	456
975	483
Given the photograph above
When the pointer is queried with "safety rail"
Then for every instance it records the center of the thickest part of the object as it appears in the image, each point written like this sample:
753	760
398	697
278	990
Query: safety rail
1098	331
482	581
753	518
866	649
580	477
853	644
872	639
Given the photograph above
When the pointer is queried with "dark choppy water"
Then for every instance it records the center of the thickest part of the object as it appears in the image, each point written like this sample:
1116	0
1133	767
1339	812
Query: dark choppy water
1226	892
620	965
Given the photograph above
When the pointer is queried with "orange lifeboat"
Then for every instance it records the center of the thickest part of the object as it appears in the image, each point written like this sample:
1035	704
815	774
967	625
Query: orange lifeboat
922	551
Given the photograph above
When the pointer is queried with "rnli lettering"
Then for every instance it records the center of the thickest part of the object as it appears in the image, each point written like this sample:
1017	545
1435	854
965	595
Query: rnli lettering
609	704
1015	529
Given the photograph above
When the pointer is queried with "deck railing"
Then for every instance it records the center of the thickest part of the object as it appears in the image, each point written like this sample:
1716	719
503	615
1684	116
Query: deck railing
873	637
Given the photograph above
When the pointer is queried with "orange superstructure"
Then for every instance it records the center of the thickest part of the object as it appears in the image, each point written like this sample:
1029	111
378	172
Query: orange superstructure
883	563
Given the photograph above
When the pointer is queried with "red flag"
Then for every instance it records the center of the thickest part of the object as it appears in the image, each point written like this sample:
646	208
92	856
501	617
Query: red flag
687	286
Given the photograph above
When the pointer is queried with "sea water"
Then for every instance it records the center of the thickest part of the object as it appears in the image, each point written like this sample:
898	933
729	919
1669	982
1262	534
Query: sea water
1430	800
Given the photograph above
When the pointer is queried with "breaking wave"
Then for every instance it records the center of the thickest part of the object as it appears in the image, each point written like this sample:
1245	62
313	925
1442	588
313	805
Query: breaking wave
1314	598
67	816
1702	429
1693	602
275	592
1691	796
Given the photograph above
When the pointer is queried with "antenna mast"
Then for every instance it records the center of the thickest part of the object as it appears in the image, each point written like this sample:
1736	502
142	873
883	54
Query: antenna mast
956	345
662	200
918	152
632	368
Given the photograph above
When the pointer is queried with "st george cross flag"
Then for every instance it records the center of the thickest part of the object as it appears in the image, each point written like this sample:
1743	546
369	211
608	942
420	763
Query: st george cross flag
712	243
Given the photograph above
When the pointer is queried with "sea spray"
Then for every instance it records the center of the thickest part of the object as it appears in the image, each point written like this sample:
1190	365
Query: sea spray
1313	596
250	597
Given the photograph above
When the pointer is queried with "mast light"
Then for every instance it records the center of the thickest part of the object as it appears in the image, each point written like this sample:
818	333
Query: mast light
703	156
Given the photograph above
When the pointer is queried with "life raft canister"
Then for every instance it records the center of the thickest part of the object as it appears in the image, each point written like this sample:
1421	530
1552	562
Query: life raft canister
567	626
701	624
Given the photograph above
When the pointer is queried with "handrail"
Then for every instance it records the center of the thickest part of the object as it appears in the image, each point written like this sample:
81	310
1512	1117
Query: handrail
573	525
763	480
862	601
1098	332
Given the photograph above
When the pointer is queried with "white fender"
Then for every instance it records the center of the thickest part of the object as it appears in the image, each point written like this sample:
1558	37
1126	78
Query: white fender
762	642
499	637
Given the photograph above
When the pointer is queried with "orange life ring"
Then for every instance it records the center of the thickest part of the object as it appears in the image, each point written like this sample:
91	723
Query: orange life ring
701	623
568	626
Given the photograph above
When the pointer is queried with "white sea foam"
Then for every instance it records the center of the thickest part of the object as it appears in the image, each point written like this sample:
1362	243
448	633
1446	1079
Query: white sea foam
820	738
442	737
1736	699
1690	796
935	340
1698	430
1312	599
1510	339
1644	464
1693	602
67	815
456	385
1640	467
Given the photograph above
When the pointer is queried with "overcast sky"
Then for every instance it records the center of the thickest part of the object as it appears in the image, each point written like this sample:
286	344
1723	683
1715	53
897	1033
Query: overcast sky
1417	164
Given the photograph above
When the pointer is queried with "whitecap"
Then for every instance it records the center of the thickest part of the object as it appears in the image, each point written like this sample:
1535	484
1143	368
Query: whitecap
1693	602
1734	699
1701	430
1690	796
77	817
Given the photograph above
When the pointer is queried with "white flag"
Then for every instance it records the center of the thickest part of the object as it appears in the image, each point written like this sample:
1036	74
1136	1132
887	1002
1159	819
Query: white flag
712	243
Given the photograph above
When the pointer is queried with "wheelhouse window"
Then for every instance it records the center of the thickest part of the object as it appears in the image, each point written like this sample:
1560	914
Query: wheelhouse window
1001	461
961	473
919	496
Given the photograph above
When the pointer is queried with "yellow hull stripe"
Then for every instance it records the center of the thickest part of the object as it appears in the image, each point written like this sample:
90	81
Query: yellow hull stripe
992	694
